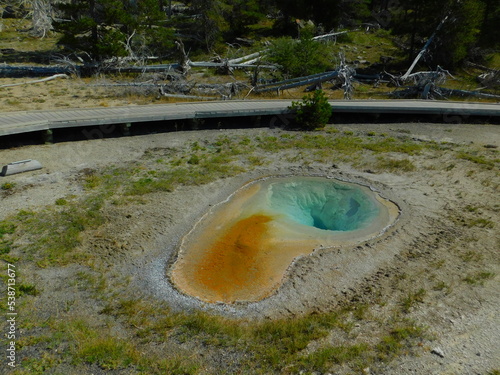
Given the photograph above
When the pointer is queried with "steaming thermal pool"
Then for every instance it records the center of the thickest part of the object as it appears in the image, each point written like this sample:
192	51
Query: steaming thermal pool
240	250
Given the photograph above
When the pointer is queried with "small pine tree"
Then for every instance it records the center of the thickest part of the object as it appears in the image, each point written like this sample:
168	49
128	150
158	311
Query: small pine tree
313	112
300	57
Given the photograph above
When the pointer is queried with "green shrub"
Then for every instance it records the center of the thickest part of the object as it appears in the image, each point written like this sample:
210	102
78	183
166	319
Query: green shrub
302	57
313	112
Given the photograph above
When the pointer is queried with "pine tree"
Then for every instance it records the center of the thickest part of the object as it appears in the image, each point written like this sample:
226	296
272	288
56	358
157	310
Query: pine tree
110	28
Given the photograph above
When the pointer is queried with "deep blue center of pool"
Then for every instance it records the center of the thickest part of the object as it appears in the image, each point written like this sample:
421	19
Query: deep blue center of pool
327	205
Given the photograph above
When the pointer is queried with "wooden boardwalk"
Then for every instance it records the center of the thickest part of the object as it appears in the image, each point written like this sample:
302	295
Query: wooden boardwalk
32	121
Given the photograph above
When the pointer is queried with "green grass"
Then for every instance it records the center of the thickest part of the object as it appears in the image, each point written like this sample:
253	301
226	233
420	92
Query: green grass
8	186
269	346
471	256
412	299
477	159
322	360
392	165
6	228
478	278
393	344
54	234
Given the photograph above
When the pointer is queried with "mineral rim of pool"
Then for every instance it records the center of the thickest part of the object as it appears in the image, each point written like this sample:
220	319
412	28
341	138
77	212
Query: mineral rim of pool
242	248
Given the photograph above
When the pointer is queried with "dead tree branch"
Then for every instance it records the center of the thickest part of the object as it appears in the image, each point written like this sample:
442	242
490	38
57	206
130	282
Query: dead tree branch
36	81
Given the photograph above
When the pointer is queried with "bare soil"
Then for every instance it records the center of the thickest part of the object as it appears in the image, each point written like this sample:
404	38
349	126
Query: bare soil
439	244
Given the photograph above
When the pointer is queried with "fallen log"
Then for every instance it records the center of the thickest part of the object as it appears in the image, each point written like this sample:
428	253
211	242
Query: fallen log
422	51
20	167
296	82
296	79
8	71
429	91
330	35
36	81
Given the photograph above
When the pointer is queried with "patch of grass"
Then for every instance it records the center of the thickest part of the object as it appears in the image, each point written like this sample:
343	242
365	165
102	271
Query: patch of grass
6	227
391	345
480	222
8	186
256	161
478	278
41	364
323	359
412	299
92	181
442	286
61	202
390	144
97	345
148	185
393	165
477	159
54	235
471	256
194	160
28	289
471	208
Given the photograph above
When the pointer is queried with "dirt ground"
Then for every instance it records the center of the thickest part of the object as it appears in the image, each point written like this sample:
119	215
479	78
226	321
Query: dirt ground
446	241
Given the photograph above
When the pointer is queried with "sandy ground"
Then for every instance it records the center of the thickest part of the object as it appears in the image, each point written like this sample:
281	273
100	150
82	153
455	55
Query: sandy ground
427	247
72	92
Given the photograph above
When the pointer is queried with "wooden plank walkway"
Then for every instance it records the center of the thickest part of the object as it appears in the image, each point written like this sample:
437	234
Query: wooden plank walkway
31	121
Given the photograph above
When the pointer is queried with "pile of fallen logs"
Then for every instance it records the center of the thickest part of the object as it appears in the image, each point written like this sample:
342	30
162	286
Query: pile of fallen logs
172	80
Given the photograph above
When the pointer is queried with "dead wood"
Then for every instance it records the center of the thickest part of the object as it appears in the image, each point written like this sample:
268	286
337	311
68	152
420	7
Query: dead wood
422	51
36	81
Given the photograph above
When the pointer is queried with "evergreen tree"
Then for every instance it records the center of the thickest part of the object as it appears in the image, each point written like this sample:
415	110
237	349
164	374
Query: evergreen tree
328	13
300	57
490	24
242	13
212	23
459	34
102	28
418	19
313	112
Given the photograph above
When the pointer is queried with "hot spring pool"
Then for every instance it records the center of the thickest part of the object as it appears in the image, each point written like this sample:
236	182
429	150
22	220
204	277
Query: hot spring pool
240	250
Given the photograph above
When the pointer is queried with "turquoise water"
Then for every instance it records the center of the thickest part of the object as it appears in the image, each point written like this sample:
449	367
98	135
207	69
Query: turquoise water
323	204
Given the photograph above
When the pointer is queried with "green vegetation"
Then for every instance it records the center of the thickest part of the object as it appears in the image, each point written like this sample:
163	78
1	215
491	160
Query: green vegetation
478	159
395	165
478	278
126	326
298	58
8	186
104	29
111	28
269	345
412	299
313	112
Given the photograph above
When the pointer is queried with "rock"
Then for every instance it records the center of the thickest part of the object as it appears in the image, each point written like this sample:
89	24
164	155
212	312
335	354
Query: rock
490	146
438	351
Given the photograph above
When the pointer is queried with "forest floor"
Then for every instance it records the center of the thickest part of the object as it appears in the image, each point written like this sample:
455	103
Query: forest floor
368	52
